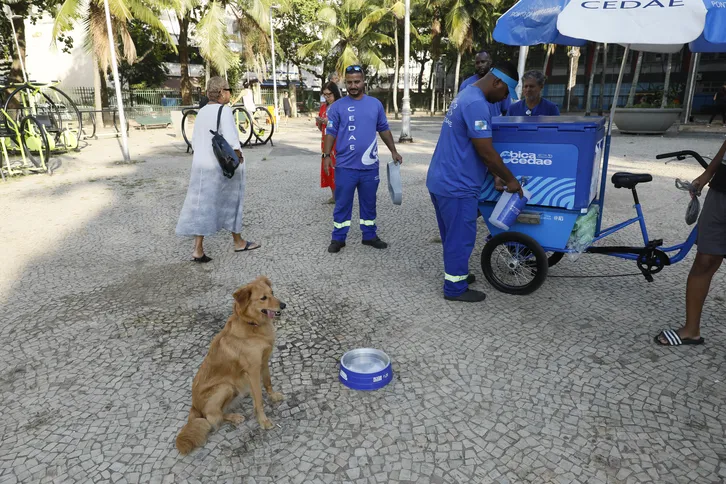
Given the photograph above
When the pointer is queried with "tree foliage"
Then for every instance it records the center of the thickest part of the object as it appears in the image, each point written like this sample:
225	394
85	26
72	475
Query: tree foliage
148	69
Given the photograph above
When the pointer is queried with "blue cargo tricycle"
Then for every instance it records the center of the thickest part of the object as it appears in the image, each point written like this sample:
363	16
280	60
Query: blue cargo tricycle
560	158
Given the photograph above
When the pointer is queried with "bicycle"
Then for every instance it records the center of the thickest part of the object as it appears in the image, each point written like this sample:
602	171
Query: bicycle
52	108
260	125
26	138
516	261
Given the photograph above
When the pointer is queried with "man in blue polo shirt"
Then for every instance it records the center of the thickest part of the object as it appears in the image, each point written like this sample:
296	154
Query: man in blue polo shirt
353	125
533	103
482	64
463	155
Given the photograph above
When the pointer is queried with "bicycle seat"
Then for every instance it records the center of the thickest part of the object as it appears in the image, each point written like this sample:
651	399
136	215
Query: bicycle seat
629	180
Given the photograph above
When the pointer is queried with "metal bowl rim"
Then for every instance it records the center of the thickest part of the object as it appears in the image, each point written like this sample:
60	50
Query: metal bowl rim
381	354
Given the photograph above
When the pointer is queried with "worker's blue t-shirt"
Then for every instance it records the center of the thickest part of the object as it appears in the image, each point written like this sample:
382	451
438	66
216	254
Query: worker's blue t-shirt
544	108
355	125
501	106
469	81
456	170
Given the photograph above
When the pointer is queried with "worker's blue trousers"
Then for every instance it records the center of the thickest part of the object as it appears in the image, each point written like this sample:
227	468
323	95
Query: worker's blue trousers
346	182
457	225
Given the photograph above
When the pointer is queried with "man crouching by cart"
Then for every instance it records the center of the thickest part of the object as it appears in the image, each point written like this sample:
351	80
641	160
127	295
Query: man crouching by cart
463	155
711	243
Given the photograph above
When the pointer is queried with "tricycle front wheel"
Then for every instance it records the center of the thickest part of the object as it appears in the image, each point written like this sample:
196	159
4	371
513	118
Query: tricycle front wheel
514	263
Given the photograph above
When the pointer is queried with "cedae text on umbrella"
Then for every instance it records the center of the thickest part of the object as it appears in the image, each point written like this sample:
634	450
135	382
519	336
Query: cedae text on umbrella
630	4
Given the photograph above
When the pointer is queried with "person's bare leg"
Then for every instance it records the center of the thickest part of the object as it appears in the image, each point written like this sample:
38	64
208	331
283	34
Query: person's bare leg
699	282
239	242
198	247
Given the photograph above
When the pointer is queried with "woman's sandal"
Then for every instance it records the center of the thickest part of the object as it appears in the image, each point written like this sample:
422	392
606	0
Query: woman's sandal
248	246
202	259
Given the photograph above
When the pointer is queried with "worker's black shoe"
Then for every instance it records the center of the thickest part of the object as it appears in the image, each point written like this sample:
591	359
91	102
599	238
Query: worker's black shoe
469	296
376	243
470	279
335	246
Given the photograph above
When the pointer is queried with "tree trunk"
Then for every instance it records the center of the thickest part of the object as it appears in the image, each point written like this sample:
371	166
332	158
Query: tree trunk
432	82
105	104
16	71
574	55
207	73
636	77
420	76
395	73
666	84
186	82
456	74
549	50
601	103
593	68
97	102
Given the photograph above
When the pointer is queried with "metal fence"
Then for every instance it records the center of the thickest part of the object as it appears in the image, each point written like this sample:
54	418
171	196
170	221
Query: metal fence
84	97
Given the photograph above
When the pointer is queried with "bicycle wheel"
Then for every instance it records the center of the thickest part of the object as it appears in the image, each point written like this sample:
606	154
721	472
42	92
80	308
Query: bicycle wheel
189	116
35	142
71	116
244	125
263	124
52	108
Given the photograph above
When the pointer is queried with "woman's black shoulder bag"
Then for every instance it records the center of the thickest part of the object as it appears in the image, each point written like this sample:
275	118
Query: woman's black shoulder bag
226	156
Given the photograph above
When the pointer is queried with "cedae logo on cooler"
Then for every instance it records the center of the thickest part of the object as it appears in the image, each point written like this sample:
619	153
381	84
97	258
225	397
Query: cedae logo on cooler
524	158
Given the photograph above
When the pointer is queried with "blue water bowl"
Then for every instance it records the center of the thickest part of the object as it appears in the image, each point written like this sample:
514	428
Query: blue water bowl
365	369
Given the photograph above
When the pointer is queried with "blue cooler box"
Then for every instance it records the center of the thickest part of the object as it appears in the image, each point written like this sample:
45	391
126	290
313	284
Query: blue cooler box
559	155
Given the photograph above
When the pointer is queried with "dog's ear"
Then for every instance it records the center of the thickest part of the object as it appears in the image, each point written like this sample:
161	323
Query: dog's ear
243	296
266	280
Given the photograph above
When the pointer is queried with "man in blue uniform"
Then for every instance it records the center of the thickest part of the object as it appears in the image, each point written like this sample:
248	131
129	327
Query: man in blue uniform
533	103
353	124
463	155
482	64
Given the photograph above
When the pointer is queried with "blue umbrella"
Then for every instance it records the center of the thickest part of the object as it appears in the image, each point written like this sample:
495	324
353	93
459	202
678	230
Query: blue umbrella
533	22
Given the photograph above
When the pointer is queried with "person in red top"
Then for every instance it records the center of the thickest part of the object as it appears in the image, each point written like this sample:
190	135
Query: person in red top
331	94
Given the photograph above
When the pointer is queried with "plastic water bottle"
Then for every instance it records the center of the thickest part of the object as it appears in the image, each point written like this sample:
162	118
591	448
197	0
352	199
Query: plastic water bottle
508	209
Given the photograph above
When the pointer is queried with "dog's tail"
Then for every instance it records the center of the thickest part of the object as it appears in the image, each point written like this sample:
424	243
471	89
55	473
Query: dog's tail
194	433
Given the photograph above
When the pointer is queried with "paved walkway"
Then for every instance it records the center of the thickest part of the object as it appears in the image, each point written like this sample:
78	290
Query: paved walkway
105	321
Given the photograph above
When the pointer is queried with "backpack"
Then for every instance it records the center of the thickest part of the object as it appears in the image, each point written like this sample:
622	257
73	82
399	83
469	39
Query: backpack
226	156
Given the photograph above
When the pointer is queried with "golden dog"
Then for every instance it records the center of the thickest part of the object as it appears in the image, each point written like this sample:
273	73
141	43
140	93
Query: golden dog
236	362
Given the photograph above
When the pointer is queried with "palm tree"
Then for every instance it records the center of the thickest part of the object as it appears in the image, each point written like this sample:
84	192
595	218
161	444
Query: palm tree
398	9
347	37
636	76
574	54
212	38
458	27
464	17
92	13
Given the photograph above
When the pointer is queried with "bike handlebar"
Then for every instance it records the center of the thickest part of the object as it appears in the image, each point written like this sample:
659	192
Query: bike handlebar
681	155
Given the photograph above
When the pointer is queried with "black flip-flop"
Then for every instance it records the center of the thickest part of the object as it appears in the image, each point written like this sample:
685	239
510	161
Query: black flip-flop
248	246
202	259
673	339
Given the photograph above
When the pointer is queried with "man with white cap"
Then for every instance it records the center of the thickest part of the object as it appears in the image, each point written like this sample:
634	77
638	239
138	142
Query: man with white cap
463	156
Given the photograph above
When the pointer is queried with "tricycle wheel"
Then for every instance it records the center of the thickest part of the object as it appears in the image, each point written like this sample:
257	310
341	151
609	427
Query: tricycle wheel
554	257
514	263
